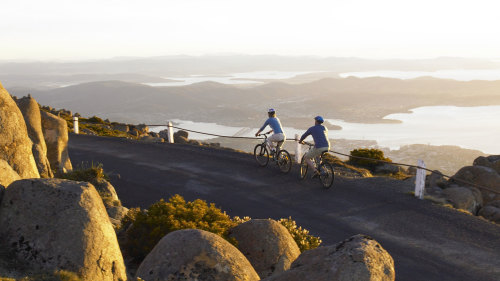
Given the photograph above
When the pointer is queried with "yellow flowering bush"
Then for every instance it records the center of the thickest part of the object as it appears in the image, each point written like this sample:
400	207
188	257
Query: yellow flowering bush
304	240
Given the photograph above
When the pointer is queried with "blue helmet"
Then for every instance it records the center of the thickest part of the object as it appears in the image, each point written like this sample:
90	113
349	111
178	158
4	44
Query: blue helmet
319	119
271	110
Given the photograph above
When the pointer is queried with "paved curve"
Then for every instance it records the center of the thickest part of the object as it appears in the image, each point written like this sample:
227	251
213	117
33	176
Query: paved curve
427	242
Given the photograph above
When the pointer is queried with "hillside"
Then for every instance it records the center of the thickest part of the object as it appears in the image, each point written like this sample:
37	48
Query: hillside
351	99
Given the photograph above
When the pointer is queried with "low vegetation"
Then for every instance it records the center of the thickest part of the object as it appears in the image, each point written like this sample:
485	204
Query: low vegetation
94	174
144	228
149	226
304	240
86	172
371	153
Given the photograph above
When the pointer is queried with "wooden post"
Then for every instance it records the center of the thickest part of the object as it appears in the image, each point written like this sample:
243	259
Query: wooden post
298	149
170	132
75	125
420	180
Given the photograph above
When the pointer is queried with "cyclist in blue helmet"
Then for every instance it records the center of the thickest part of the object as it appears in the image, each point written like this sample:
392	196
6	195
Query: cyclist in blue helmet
321	142
275	124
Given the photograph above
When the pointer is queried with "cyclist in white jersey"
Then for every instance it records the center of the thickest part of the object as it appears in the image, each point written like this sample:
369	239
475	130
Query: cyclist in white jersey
275	124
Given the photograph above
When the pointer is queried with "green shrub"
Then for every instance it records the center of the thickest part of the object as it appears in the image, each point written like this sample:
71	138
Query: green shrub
304	240
96	120
371	153
84	172
148	227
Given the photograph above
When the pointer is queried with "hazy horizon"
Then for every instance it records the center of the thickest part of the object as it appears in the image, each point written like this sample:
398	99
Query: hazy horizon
387	29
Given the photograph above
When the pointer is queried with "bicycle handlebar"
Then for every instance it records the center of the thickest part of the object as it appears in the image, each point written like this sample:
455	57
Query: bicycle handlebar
308	143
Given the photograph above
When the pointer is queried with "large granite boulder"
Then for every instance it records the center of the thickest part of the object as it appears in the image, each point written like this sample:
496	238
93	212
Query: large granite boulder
435	179
267	245
491	211
465	198
485	179
193	254
55	131
116	214
60	224
15	145
7	174
358	258
181	137
106	190
164	134
31	113
492	161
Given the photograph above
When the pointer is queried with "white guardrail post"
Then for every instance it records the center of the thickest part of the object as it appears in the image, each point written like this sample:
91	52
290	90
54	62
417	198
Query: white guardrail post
298	149
75	125
170	132
420	180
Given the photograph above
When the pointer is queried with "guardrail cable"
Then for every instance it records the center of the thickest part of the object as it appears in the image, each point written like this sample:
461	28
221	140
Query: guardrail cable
332	151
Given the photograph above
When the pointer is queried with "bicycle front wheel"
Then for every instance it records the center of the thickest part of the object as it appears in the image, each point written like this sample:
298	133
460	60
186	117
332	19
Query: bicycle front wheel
303	168
326	175
261	155
284	161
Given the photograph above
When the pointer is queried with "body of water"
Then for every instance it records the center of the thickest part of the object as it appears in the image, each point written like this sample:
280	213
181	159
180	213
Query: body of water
234	78
456	74
467	127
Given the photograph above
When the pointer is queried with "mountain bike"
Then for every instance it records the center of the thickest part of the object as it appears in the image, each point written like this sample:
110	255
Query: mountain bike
326	175
281	157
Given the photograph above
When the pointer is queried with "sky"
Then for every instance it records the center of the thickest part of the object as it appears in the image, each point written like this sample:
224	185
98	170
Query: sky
94	29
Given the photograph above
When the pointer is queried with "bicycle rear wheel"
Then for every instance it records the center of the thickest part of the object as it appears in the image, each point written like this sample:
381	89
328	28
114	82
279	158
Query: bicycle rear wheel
261	155
284	161
326	175
303	168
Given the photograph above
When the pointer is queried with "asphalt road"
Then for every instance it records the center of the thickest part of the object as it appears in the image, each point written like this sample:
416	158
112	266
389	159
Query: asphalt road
427	242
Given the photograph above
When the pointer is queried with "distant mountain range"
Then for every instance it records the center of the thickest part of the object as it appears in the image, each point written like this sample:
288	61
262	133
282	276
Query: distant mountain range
133	69
352	99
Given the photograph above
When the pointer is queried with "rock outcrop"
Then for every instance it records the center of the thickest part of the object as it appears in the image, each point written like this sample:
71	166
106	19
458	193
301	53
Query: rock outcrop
142	128
55	131
181	137
465	198
491	211
480	176
116	214
7	174
358	258
31	113
492	161
15	145
106	190
61	224
267	245
111	201
193	254
120	127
